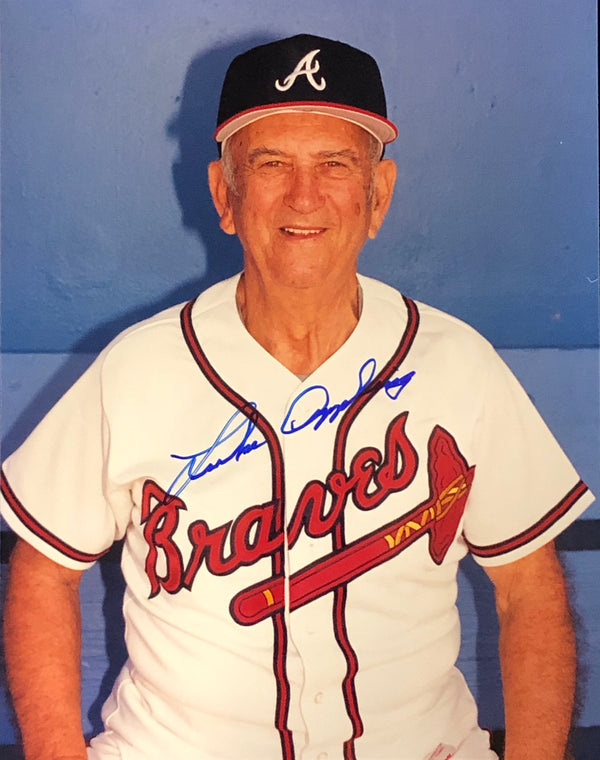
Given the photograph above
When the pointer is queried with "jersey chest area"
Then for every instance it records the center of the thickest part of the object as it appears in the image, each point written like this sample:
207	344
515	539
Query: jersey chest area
302	485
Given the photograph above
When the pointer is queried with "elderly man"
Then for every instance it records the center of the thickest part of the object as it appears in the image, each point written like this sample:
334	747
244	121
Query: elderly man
297	475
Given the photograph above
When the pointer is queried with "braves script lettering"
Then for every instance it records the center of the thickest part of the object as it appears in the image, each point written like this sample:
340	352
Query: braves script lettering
373	475
309	409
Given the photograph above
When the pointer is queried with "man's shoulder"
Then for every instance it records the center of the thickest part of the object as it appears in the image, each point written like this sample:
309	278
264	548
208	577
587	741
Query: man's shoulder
161	333
432	320
168	319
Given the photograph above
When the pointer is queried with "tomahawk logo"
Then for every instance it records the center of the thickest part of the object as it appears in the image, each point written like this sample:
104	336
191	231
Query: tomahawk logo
307	66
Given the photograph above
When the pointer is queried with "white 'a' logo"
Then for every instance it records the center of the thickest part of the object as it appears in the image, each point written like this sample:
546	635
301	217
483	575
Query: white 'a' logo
308	66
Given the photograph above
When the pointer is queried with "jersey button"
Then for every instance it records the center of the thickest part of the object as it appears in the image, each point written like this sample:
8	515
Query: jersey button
319	698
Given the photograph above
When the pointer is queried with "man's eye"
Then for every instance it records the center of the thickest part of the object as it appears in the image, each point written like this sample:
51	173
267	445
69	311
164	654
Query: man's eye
336	167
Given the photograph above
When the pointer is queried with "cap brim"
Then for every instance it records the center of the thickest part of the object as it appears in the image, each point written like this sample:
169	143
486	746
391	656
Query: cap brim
379	127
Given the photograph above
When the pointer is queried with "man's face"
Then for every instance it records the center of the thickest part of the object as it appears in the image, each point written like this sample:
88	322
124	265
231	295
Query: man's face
306	195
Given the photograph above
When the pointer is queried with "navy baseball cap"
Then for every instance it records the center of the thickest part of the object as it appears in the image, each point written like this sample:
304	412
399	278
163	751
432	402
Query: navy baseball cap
304	73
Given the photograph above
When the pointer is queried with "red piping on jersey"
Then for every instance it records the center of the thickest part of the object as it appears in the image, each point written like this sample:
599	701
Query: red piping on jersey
38	529
339	541
338	537
278	491
563	506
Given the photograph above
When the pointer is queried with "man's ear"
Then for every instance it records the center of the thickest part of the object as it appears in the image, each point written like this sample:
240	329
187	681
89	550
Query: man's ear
383	189
220	195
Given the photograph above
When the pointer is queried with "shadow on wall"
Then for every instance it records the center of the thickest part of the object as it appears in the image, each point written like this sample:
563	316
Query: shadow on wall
192	127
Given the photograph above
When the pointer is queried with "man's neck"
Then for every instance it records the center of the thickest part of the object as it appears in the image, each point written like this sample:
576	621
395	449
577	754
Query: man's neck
301	328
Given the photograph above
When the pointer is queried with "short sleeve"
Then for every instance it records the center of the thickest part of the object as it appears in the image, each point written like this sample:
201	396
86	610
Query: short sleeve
55	490
525	490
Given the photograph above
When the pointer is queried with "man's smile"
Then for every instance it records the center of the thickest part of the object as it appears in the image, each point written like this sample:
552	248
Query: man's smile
302	231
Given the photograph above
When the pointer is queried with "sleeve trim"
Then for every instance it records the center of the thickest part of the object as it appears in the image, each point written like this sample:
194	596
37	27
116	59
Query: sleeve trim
38	529
526	536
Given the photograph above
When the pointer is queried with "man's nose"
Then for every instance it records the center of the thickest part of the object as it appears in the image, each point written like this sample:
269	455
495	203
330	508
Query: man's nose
304	193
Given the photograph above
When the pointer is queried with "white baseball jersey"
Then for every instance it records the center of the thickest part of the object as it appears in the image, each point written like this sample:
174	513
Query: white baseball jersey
291	547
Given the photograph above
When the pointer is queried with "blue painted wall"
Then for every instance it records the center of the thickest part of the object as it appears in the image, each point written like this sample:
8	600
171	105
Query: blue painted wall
107	112
108	108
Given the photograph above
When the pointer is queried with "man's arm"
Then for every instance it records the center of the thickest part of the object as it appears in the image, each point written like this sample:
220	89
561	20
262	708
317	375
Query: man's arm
537	655
42	632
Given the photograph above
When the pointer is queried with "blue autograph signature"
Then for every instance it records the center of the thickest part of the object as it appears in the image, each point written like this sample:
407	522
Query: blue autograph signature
320	408
311	408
